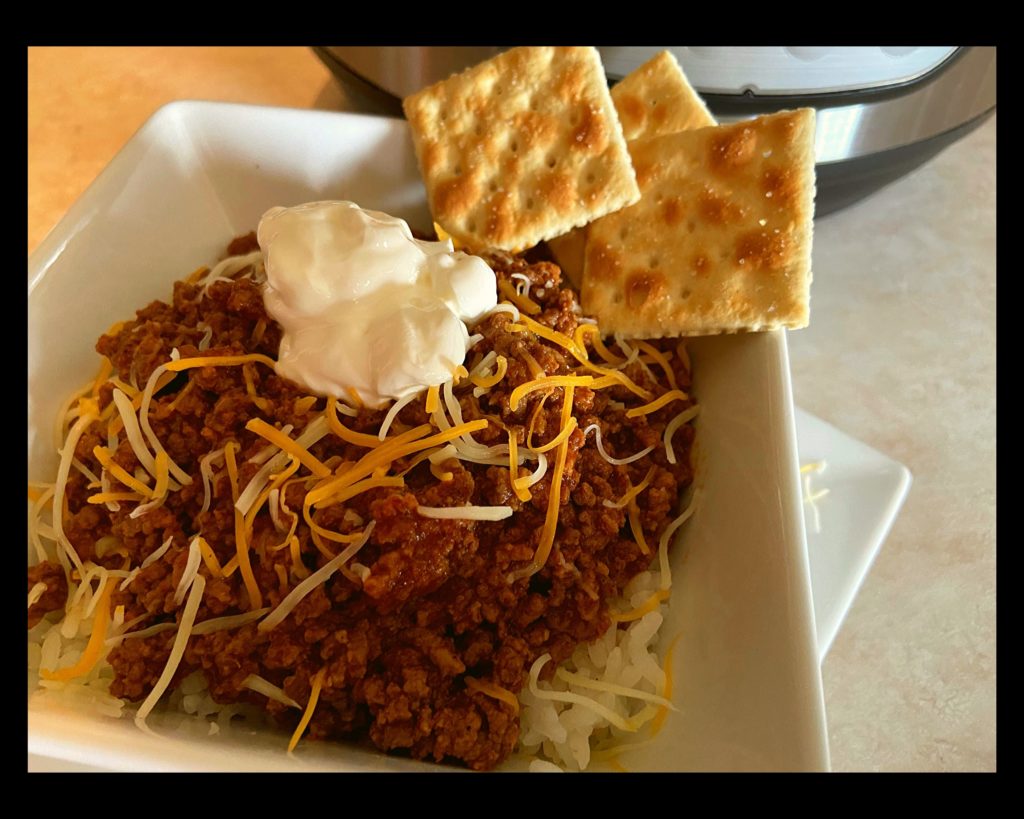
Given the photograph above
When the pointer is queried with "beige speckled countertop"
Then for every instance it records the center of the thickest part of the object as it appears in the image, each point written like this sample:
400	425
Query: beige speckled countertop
900	354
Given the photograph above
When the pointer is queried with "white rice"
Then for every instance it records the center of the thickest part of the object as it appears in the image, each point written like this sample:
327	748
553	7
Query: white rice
566	733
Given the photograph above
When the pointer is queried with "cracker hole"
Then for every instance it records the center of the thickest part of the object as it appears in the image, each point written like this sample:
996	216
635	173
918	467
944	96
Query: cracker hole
471	226
684	293
497	90
653	262
590	178
458	170
552	161
529	203
623	233
479	130
493	187
617	298
691	226
658	197
514	146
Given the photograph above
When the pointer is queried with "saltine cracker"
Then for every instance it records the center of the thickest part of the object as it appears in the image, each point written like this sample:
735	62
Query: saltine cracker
721	239
657	99
521	148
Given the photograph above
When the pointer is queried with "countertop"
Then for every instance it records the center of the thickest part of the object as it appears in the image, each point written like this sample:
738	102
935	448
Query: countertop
901	354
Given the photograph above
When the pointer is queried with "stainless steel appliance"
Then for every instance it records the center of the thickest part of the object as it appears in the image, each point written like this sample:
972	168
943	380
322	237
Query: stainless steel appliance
882	110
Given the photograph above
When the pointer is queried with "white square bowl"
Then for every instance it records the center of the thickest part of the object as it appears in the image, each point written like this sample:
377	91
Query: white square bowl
746	674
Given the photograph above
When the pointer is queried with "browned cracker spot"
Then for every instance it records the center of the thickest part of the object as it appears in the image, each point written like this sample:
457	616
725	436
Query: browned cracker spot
521	148
657	99
721	238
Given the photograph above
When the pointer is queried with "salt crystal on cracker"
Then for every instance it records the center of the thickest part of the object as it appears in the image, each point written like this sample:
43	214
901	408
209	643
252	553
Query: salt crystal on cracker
521	148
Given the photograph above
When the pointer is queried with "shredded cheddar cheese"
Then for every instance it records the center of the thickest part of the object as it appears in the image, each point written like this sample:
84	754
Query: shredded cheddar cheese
286	444
637	529
658	403
307	715
547	534
583	330
120	473
523	390
484	381
524	303
241	544
495	691
513	468
661	360
97	641
218	361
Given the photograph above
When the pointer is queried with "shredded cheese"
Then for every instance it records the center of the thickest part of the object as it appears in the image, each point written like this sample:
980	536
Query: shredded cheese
35	593
385	454
666	571
547	533
661	360
612	688
156	554
188	618
261	686
286	444
433	399
67	454
209	558
206	471
565	432
485	382
241	545
495	691
190	573
609	458
132	430
649	605
392	414
632	492
658	403
659	719
218	361
114	497
522	390
147	397
672	427
314	695
579	352
638	530
489	513
583	330
97	639
521	492
524	303
316	579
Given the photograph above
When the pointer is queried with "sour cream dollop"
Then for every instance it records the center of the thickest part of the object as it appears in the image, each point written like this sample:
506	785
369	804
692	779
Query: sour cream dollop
364	305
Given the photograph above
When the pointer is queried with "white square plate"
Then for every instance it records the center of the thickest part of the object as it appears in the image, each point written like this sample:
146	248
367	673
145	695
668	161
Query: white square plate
865	492
746	671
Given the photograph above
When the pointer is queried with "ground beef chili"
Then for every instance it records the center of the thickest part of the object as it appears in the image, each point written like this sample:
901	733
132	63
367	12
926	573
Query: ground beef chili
437	605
